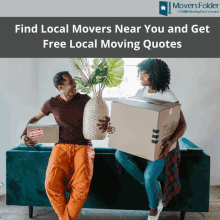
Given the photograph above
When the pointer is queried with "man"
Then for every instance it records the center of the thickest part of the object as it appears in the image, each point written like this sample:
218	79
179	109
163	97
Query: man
155	77
70	164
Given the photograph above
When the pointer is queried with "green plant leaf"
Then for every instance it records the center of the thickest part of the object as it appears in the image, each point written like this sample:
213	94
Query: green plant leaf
86	90
109	71
96	62
115	72
101	71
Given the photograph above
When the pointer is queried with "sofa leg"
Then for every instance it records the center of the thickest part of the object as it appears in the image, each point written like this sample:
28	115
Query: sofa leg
182	215
30	211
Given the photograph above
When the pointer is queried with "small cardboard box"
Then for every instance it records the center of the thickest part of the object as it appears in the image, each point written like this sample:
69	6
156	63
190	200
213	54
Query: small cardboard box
142	125
43	133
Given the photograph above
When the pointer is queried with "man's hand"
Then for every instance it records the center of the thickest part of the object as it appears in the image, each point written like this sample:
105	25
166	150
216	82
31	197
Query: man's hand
165	149
104	125
27	141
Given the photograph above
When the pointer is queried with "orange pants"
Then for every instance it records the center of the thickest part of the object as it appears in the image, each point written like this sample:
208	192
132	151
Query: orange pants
70	168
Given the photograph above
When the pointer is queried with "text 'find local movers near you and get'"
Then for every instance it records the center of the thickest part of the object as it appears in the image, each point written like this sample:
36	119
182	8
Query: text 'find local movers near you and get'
107	43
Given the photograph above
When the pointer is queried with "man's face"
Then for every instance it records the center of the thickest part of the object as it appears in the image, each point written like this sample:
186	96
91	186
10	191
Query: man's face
69	85
145	79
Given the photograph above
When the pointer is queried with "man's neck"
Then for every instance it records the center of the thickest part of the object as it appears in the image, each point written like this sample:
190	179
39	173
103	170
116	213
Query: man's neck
66	97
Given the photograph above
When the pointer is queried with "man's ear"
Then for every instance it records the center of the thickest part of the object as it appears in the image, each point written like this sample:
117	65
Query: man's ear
60	87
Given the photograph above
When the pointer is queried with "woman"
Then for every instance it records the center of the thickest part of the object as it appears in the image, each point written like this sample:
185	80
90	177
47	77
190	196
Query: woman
155	77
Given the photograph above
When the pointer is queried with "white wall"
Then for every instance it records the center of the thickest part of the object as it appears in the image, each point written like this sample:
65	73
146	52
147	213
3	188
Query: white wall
196	83
25	84
19	101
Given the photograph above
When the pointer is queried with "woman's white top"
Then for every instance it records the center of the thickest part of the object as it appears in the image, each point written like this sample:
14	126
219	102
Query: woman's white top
167	95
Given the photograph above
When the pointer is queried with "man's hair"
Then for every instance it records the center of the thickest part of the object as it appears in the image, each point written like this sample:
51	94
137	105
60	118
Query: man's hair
159	73
58	79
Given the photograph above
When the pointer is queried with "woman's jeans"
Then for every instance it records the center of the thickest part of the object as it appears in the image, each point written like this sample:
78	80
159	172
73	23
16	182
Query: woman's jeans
148	178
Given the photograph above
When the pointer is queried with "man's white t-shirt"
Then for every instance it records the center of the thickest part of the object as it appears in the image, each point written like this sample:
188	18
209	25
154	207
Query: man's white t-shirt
167	95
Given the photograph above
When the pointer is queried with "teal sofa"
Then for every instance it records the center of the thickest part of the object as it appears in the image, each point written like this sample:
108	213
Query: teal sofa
111	187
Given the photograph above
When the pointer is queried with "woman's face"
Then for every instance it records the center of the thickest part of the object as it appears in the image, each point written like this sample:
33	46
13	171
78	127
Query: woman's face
145	79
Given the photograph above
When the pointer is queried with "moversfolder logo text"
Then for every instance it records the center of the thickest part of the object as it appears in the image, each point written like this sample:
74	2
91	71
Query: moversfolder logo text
199	5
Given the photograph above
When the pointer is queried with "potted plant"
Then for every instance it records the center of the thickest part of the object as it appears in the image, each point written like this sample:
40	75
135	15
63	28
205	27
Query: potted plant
104	72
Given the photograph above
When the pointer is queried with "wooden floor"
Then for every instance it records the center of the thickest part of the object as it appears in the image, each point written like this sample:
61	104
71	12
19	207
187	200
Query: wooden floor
21	213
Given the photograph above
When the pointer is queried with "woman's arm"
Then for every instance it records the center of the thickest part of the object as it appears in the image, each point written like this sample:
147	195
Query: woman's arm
180	130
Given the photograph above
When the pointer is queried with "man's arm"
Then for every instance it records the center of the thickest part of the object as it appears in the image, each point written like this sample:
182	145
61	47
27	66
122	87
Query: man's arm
36	118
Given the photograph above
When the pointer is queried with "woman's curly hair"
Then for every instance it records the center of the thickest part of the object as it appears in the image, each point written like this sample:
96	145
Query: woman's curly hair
159	73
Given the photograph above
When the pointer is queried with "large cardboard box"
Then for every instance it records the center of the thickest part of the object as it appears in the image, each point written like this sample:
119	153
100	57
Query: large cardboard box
43	133
142	125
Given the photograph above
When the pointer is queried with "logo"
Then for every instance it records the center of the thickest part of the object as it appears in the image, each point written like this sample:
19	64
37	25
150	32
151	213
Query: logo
200	7
164	8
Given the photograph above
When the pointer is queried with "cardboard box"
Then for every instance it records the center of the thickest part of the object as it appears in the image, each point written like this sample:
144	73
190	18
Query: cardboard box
43	133
142	125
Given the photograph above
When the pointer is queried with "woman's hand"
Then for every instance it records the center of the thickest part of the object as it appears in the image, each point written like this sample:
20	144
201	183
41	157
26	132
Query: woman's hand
165	149
104	125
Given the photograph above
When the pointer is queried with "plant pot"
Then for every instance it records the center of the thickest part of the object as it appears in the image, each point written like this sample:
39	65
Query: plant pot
95	109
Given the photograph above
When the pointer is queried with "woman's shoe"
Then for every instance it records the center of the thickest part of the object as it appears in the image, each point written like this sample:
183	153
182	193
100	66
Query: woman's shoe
159	210
151	217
